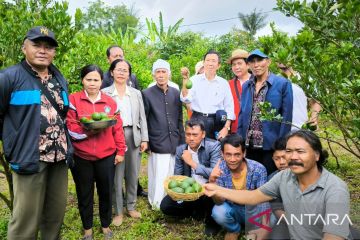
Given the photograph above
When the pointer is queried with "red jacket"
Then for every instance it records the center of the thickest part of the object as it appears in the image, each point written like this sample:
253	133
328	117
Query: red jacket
234	124
99	145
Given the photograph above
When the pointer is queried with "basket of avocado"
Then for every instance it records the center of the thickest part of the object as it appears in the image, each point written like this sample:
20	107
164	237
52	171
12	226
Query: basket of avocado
97	121
183	188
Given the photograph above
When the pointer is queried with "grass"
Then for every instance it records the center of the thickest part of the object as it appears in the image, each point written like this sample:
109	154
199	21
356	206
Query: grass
154	225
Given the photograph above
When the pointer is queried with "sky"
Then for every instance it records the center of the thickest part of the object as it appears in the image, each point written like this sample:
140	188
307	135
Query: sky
200	11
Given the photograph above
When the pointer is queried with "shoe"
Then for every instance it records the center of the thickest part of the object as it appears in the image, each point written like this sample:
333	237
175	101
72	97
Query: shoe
134	214
211	228
87	237
142	193
118	220
108	235
231	236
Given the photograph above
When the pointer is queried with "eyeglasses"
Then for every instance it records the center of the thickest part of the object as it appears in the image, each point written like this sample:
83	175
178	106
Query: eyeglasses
119	70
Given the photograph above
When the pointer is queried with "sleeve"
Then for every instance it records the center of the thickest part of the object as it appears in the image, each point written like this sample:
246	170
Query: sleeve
179	163
75	129
287	109
119	137
337	208
5	90
143	123
229	103
271	188
214	157
180	123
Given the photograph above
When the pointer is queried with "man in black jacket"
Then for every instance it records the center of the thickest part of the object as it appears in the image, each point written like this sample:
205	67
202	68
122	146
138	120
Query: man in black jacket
196	158
34	138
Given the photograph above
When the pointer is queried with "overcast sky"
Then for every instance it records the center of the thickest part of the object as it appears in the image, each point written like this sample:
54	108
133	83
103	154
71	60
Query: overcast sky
199	11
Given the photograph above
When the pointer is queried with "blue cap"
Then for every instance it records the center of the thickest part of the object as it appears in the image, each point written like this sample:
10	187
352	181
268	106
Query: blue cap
256	53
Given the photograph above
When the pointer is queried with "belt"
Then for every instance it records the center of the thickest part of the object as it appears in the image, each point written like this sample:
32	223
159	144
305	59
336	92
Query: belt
205	114
128	126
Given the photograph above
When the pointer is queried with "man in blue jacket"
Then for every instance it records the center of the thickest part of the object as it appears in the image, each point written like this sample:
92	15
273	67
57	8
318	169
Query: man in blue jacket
264	86
196	158
34	138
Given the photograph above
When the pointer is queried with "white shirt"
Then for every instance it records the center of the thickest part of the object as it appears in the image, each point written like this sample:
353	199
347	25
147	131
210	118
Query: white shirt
124	105
170	84
200	179
209	96
300	114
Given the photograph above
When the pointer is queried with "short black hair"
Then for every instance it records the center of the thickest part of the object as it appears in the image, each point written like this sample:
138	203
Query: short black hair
195	122
234	140
279	144
211	51
111	47
116	61
91	68
314	141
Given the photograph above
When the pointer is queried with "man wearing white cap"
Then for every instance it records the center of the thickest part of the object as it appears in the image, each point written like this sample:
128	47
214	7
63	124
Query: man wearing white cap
163	111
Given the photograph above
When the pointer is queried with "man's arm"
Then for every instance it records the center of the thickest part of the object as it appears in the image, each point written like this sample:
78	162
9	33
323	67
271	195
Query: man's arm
179	163
286	108
5	91
328	236
243	197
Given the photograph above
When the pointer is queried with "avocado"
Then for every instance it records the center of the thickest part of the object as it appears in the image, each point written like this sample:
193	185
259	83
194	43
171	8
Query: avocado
184	185
96	116
189	190
178	190
190	180
173	184
197	187
188	84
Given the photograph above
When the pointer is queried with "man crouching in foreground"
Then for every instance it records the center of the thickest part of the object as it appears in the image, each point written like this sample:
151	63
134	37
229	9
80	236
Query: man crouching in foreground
308	191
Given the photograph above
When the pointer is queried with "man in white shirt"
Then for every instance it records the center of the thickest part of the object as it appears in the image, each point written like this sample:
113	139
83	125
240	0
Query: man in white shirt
209	94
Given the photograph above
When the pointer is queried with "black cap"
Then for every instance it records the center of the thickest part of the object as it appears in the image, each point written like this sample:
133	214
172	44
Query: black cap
42	33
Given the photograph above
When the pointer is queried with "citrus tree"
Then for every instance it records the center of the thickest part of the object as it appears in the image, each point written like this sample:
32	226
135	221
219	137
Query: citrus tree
325	53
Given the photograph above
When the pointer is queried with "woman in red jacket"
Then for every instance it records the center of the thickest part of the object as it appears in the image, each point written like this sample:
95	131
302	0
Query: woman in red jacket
96	152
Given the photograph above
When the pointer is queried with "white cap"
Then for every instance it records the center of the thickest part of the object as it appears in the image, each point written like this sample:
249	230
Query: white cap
161	64
198	66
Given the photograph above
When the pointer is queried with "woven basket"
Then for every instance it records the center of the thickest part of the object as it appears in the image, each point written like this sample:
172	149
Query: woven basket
181	196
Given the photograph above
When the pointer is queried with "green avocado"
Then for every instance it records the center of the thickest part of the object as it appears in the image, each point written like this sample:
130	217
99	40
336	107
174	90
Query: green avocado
84	120
178	190
184	185
189	84
197	187
190	180
189	190
173	184
96	116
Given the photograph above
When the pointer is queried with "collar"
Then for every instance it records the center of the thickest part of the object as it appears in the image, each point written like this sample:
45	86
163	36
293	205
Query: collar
115	93
269	80
85	95
321	182
202	145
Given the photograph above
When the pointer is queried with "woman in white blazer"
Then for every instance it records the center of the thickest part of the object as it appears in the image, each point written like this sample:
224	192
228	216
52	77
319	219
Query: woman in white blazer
131	106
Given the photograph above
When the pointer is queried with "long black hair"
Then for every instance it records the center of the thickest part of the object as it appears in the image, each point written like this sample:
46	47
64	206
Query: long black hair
91	68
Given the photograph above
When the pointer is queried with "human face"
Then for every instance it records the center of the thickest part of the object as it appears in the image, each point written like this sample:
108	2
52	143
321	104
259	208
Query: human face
239	67
161	76
92	83
193	137
211	63
300	156
121	73
39	54
115	53
259	66
233	156
279	157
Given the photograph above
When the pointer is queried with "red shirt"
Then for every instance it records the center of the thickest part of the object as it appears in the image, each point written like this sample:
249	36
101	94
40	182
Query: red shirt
100	145
234	124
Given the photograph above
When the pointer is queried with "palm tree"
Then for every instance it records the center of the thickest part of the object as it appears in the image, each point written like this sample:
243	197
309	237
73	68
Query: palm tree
253	22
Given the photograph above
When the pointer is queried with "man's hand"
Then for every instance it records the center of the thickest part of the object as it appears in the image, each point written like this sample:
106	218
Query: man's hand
215	173
260	233
118	159
186	156
185	73
143	146
210	189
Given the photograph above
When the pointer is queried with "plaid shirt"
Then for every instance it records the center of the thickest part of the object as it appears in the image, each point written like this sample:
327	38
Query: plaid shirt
256	177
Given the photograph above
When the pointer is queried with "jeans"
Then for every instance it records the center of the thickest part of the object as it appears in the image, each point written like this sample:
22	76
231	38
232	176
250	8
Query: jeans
230	216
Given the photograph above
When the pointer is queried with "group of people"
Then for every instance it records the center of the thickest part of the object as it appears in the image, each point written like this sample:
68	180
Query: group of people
224	146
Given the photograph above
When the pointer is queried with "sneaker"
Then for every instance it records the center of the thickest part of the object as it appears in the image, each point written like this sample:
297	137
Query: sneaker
134	214
118	220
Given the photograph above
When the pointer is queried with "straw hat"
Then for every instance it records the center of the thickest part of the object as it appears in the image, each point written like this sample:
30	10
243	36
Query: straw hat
236	54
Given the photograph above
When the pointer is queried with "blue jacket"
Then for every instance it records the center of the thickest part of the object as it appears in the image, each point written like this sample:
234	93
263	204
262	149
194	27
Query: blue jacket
209	154
20	110
280	95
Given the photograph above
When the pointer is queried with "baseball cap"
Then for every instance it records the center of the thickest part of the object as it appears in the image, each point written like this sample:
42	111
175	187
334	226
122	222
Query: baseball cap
257	53
43	33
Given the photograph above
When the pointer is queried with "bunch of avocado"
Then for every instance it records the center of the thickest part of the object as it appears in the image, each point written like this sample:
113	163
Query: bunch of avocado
95	117
188	185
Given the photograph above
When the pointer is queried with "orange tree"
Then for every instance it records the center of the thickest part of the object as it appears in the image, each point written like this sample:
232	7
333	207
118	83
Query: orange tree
325	53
